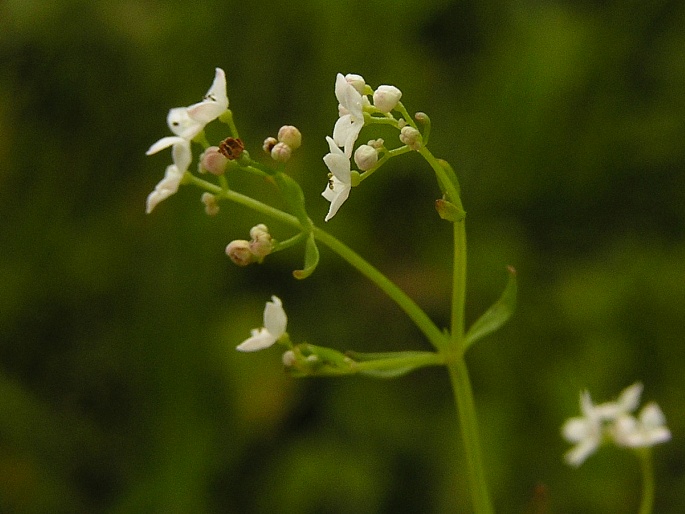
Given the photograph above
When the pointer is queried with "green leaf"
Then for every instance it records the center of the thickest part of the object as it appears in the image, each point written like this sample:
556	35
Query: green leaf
311	259
448	211
495	316
393	364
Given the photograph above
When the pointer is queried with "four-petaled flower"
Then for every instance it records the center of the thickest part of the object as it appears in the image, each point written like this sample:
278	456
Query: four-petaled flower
186	123
351	120
585	431
338	188
275	323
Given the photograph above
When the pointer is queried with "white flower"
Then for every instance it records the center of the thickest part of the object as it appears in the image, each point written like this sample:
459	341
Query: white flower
214	103
647	430
275	322
338	188
186	123
386	98
351	120
166	187
585	432
613	421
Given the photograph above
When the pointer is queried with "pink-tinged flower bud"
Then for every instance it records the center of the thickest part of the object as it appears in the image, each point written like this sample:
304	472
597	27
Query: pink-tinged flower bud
291	136
386	98
213	161
411	137
239	252
261	244
365	157
211	205
269	144
281	152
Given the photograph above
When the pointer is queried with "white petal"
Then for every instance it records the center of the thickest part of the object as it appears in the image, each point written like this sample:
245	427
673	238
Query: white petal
346	131
181	154
275	319
163	143
630	397
336	196
577	455
348	96
214	103
182	124
260	340
165	188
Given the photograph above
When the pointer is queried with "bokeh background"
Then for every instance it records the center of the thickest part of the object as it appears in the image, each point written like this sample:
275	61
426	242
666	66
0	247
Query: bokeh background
120	389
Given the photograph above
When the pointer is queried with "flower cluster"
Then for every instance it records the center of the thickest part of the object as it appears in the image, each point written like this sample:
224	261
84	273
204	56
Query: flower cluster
186	123
352	94
614	422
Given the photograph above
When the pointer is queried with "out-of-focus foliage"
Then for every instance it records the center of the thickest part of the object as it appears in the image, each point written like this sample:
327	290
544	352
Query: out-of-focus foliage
120	390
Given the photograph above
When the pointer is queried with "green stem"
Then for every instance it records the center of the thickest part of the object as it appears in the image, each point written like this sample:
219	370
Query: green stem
647	467
461	386
415	313
459	377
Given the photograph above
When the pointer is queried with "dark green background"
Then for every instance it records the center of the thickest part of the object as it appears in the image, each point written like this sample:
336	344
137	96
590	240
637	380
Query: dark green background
120	389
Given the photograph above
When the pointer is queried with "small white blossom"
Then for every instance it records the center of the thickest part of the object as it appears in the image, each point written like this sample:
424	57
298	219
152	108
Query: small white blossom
585	432
648	429
165	188
275	323
351	120
338	188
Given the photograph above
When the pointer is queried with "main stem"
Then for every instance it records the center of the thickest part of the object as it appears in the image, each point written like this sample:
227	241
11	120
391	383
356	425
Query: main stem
459	376
461	384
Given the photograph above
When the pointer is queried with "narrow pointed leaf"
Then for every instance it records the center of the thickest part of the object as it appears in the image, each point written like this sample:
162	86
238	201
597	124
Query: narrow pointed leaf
495	316
311	259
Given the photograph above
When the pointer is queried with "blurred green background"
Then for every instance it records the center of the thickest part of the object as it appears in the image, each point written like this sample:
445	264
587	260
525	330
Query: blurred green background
120	389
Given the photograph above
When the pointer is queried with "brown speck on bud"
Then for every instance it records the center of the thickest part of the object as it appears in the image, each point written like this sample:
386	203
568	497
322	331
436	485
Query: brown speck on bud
232	148
269	144
239	252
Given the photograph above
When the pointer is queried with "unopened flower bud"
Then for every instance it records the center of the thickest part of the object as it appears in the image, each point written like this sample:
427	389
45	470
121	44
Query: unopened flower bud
261	244
365	157
357	81
213	161
211	205
281	152
376	143
291	136
289	359
239	252
411	137
385	98
421	117
269	144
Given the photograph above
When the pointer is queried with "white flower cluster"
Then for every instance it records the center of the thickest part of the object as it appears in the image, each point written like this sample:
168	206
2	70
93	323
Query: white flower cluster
186	123
351	91
614	422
